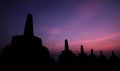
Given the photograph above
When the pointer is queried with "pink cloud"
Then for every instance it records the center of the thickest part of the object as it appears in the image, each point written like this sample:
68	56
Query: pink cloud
96	40
54	31
103	43
88	9
102	38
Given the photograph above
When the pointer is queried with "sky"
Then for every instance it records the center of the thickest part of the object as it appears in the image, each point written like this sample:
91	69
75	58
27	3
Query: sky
91	23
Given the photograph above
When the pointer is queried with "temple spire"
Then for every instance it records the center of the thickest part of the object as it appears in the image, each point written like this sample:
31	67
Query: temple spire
66	45
92	52
82	50
101	53
113	53
28	31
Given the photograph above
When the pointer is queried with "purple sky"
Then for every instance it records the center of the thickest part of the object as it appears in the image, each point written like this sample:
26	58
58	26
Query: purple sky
93	23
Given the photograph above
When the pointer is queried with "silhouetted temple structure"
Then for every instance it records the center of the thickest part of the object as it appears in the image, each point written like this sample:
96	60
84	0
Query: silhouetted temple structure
82	57
113	59
114	62
26	48
92	58
67	56
102	59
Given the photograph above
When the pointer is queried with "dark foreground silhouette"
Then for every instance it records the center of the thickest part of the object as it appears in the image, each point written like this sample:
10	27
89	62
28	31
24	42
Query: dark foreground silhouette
27	50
